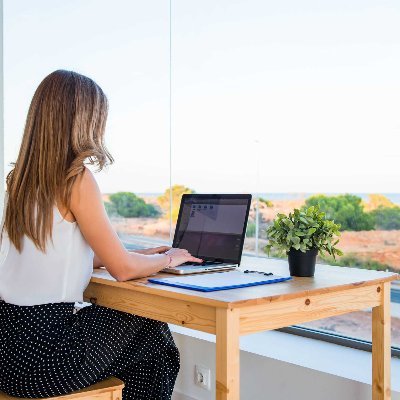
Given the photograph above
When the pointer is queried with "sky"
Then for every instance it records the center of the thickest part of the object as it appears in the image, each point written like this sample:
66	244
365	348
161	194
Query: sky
266	96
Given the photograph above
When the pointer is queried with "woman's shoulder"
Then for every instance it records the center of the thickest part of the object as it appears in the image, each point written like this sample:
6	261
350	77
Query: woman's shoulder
85	186
85	180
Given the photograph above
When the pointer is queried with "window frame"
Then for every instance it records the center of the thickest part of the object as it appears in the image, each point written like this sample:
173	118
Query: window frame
334	338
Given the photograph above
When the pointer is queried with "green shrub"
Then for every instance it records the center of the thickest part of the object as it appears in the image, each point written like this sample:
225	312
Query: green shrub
177	192
111	209
386	218
267	202
354	262
129	205
376	200
251	229
346	210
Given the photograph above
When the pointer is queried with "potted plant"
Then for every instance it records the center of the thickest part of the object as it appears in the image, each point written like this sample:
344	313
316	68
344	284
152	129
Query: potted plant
302	235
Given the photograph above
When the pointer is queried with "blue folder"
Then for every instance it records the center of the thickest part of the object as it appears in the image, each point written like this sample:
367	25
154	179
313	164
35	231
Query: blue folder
211	282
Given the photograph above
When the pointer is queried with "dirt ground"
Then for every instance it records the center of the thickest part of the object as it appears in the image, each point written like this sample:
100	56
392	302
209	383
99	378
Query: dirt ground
381	246
356	324
154	227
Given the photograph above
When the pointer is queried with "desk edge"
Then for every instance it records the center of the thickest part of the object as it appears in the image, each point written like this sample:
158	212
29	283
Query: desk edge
142	287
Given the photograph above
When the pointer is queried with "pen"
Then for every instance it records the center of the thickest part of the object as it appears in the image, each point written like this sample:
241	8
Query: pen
258	272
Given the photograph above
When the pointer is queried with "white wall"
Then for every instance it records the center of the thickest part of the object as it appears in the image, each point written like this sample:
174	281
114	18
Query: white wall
264	378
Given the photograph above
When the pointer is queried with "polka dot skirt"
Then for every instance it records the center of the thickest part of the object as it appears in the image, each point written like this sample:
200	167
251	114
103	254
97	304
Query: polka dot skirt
48	350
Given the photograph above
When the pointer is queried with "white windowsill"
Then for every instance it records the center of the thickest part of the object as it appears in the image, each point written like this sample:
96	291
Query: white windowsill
318	355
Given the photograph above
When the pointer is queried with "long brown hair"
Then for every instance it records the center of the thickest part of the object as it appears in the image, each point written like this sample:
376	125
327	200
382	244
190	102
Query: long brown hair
64	129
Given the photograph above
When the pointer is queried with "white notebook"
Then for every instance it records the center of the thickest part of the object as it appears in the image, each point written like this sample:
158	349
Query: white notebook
219	280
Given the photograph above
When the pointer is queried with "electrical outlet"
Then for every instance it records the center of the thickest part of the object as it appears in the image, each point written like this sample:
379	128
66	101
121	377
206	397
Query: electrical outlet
202	377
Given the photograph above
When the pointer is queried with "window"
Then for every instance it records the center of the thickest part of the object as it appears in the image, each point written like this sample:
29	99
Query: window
285	100
126	50
290	100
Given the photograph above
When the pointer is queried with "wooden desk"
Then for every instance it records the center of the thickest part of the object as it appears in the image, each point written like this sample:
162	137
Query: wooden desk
231	313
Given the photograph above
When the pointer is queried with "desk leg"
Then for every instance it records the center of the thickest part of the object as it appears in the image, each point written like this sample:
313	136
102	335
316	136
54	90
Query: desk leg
227	344
381	352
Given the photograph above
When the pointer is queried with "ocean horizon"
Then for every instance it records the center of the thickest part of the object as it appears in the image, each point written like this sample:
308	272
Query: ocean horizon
393	197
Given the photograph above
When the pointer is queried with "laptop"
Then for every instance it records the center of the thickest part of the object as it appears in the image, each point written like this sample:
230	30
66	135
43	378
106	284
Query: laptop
211	227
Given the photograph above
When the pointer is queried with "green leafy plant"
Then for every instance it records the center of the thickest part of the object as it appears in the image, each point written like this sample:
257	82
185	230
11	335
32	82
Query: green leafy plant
303	230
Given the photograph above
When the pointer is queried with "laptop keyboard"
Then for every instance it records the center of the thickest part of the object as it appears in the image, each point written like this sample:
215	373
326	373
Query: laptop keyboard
203	264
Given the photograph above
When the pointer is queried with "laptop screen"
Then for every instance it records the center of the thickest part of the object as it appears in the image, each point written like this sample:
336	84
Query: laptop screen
212	227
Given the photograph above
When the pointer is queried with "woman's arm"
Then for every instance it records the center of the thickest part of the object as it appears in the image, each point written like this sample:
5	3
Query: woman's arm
89	212
154	250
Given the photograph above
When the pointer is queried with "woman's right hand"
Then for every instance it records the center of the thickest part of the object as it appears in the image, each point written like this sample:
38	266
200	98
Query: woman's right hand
180	256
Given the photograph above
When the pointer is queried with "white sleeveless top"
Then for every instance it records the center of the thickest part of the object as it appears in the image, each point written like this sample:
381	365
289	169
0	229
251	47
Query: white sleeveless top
59	275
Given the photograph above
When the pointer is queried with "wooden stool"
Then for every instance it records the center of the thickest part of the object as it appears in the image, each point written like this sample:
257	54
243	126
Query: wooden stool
109	389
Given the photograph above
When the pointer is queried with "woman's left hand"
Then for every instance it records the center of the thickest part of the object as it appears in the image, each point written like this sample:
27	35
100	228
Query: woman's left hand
153	250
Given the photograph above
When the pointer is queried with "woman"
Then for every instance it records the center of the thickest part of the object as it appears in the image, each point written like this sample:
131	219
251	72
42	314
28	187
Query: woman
55	230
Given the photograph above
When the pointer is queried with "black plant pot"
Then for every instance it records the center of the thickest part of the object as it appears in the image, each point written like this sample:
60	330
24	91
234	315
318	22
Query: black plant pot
302	264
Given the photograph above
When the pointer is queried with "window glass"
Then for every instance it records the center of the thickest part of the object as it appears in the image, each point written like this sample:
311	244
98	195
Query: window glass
125	48
289	101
